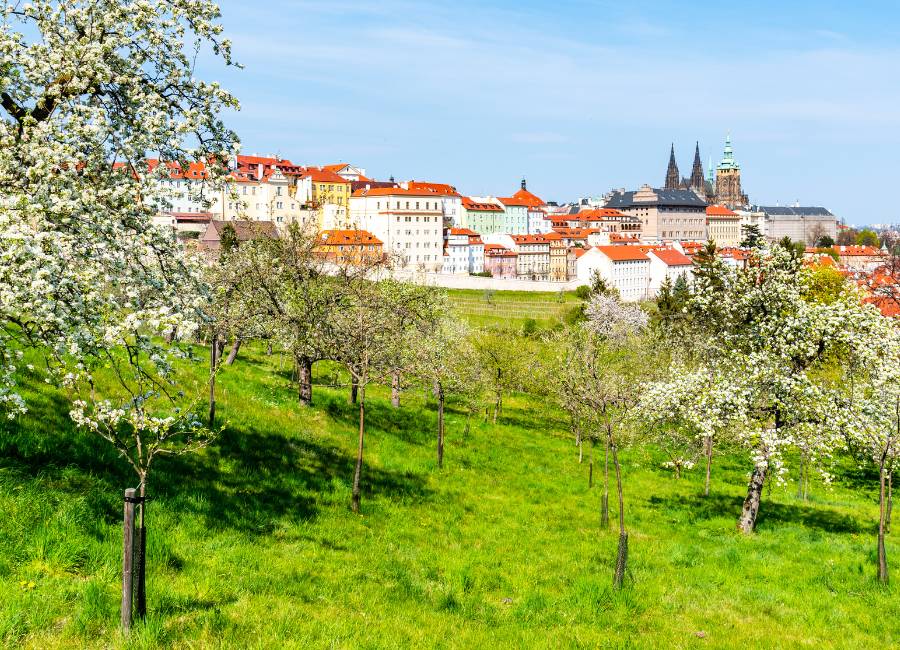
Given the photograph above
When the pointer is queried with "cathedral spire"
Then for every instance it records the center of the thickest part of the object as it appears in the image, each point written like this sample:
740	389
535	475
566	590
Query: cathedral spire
673	178
697	171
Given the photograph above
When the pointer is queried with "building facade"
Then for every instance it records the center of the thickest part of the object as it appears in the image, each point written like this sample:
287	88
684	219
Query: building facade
665	214
723	226
409	222
728	180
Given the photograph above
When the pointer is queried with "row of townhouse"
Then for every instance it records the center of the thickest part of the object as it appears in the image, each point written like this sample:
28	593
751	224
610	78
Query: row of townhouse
637	272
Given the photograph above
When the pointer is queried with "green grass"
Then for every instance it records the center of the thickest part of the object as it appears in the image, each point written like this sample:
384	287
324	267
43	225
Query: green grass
512	308
252	543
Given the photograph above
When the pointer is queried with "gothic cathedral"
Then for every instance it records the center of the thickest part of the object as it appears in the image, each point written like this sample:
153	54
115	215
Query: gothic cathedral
724	189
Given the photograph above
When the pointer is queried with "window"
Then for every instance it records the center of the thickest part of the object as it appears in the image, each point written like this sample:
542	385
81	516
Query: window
407	205
378	205
279	205
278	190
417	205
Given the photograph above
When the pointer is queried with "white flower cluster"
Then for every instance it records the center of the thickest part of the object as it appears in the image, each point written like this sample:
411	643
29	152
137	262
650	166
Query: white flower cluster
92	91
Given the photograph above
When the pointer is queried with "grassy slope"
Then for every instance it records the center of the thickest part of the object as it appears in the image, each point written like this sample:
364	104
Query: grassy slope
512	308
252	543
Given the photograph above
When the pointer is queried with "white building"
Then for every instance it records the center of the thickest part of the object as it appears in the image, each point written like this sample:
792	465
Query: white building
624	267
456	251
451	200
408	221
668	263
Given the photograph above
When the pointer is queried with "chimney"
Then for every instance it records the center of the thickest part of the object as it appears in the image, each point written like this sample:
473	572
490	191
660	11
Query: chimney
259	171
523	184
391	179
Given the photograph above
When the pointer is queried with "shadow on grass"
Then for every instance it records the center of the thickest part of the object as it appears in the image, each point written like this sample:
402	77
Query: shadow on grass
249	479
771	514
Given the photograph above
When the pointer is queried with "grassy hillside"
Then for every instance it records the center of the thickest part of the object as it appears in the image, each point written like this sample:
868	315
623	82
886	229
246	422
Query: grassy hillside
252	543
512	308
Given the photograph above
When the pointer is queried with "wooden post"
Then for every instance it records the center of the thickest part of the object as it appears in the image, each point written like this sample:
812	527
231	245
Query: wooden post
213	357
140	561
127	559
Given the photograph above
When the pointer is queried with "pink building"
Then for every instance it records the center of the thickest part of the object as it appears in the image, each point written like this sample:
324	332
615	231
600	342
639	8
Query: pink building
500	262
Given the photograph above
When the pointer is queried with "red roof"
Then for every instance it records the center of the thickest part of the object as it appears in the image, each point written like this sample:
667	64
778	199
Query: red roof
528	198
244	161
352	237
720	211
578	251
320	175
599	214
496	250
438	188
857	251
623	253
462	231
529	239
513	201
671	257
473	206
395	191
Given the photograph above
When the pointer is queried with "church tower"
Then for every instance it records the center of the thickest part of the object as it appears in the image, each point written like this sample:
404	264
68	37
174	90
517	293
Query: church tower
728	180
673	178
697	183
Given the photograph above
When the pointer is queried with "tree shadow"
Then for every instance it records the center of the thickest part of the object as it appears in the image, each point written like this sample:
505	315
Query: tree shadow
250	479
412	425
771	513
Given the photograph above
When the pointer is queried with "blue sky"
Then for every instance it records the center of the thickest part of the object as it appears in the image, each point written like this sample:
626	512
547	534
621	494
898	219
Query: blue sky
578	96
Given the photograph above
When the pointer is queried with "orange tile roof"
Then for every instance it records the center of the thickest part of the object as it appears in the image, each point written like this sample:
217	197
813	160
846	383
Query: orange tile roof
395	191
623	253
320	175
474	206
528	198
598	214
512	201
462	231
671	257
579	251
438	188
352	237
263	160
720	211
857	251
529	239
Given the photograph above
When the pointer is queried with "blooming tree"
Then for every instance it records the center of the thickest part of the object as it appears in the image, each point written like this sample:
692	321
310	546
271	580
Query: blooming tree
772	350
90	91
872	417
99	103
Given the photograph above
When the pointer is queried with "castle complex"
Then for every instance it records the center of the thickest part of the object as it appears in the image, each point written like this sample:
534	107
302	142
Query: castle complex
723	189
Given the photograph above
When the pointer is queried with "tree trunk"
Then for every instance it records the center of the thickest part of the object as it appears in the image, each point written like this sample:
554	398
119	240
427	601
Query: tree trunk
269	349
498	404
591	463
578	442
677	469
709	453
395	390
140	562
213	349
235	346
604	499
882	517
220	342
622	552
440	440
359	450
354	391
304	380
747	522
890	501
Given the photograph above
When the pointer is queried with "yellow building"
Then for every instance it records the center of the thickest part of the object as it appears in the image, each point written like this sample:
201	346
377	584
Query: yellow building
326	192
723	226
